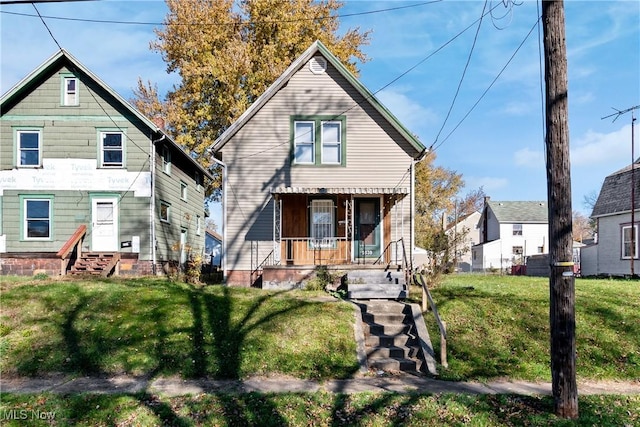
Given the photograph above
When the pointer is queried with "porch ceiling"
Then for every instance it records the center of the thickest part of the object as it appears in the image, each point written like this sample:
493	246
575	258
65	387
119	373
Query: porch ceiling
340	190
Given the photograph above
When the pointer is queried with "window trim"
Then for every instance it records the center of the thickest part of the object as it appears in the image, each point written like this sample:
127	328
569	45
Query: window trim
167	205
123	134
64	92
18	150
624	227
166	159
24	228
198	225
318	142
184	191
517	229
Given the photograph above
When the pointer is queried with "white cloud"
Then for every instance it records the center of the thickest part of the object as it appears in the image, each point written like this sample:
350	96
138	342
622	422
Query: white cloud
410	113
488	184
528	158
601	148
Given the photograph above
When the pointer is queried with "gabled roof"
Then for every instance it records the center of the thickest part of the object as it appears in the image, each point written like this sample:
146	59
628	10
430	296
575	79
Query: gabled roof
615	195
520	212
61	58
318	47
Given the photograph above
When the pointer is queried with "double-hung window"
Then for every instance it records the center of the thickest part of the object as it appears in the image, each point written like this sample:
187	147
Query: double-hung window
629	236
323	229
331	142
304	142
517	229
36	218
70	91
166	160
318	140
112	149
29	148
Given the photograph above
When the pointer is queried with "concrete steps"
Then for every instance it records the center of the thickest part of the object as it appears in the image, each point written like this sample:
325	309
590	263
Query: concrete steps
390	338
377	283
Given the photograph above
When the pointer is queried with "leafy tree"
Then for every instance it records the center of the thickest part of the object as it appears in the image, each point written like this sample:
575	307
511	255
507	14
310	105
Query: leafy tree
227	53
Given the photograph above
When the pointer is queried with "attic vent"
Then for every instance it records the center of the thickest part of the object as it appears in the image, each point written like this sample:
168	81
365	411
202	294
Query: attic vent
318	65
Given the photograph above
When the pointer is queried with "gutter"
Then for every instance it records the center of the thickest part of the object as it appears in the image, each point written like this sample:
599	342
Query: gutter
152	209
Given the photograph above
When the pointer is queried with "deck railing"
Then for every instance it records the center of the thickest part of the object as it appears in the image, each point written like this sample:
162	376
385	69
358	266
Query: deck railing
311	251
67	250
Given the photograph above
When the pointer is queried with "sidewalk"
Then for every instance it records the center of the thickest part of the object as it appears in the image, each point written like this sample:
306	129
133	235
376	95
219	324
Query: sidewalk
179	387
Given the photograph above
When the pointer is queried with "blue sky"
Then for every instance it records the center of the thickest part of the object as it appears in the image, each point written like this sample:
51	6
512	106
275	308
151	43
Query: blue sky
415	66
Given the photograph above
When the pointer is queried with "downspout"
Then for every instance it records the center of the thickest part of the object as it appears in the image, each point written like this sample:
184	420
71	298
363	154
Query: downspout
412	227
223	253
152	209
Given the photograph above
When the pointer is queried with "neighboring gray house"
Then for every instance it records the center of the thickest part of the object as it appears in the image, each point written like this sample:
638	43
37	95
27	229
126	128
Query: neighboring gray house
84	174
318	172
613	252
510	231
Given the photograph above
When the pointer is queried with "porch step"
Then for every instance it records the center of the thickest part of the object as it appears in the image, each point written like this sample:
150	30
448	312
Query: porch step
376	283
391	341
96	263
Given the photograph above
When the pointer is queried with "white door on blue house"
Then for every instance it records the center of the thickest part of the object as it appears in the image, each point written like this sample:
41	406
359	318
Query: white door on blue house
104	224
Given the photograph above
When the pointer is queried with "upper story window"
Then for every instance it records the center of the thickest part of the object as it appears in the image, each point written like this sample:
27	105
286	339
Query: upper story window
629	249
183	190
29	148
318	140
517	229
166	160
36	218
165	211
70	91
112	149
199	182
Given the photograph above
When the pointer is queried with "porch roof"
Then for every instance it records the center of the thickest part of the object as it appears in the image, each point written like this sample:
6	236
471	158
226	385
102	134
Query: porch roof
340	190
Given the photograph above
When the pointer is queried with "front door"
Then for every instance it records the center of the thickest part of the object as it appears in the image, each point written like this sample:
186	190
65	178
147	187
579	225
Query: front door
104	224
367	228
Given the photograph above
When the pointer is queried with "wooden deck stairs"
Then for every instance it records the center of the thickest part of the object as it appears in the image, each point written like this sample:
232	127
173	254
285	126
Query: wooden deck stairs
96	264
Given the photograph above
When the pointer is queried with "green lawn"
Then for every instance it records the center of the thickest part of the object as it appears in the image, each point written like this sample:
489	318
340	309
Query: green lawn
498	326
154	327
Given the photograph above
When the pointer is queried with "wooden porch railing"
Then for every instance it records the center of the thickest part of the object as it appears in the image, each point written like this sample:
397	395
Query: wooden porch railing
426	296
66	251
310	251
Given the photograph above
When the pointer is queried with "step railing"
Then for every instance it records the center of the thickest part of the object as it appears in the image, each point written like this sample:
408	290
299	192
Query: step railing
67	250
426	297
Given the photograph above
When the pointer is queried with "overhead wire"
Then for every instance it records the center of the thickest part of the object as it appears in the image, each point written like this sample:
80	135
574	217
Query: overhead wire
464	72
243	22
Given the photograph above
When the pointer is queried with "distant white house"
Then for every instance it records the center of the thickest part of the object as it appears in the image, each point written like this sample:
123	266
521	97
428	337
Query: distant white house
612	253
466	233
509	232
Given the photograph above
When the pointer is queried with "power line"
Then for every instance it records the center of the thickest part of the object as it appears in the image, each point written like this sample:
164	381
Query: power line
242	22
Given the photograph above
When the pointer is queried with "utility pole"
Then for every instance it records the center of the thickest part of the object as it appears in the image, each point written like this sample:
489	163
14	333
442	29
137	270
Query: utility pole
633	185
561	278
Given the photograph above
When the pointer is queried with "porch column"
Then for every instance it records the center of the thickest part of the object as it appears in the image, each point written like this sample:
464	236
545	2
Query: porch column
277	228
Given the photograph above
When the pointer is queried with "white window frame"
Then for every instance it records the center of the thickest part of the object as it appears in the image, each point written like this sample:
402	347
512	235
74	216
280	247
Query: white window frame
19	148
624	242
70	98
167	208
322	233
102	136
166	160
198	225
298	141
26	219
517	229
332	144
199	181
184	190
